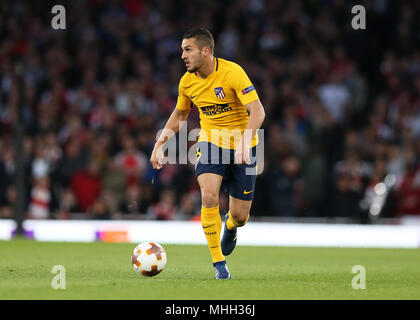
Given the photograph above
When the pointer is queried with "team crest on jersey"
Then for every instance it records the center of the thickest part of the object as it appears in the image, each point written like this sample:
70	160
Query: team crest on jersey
219	92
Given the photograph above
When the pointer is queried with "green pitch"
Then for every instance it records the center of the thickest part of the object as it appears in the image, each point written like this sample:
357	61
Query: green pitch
103	271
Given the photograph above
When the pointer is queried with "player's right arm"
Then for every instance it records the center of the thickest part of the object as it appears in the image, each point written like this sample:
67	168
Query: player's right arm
172	126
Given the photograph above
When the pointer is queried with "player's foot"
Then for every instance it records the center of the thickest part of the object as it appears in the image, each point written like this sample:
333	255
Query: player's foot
228	239
222	272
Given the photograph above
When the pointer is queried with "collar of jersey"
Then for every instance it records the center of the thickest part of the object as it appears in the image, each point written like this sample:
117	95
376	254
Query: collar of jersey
216	67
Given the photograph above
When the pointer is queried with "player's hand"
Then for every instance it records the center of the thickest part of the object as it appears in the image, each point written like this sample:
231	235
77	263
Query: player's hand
156	159
242	153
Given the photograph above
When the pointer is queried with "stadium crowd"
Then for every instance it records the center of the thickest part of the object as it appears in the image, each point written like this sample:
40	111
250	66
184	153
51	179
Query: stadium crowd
342	105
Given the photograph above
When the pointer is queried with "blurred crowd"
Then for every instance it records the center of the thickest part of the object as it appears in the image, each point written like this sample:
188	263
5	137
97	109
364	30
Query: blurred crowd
342	105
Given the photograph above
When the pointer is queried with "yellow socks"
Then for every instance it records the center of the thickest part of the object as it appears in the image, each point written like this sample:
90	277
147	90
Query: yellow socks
212	225
232	224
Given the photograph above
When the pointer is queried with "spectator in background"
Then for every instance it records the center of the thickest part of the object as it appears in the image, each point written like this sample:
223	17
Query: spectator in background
354	169
134	201
315	184
7	170
86	185
115	181
408	192
189	206
131	161
285	187
99	209
344	198
67	205
8	203
98	149
166	208
73	160
40	200
102	116
335	97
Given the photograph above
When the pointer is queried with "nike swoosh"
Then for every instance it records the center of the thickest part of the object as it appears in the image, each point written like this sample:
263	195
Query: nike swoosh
247	192
211	225
192	97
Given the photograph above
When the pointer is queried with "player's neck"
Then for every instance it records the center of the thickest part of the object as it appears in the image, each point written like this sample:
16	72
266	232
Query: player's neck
206	69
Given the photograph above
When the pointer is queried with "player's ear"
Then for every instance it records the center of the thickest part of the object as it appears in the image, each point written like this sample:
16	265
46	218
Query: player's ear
207	51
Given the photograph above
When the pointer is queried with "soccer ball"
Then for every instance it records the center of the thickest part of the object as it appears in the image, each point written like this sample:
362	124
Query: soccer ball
148	258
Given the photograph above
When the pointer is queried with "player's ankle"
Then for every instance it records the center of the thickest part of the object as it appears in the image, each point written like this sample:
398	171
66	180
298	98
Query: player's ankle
230	228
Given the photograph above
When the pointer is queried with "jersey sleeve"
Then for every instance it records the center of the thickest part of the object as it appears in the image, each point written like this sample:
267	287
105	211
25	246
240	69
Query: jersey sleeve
243	87
183	101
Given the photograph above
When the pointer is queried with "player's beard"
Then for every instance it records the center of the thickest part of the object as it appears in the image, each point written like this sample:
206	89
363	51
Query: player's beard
196	68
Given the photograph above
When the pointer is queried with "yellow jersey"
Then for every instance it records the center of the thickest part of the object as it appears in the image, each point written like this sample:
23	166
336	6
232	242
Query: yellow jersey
220	99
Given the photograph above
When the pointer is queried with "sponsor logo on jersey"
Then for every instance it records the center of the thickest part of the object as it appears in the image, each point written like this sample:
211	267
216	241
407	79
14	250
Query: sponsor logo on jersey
216	109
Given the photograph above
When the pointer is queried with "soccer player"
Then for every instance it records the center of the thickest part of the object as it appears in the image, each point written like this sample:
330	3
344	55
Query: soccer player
230	116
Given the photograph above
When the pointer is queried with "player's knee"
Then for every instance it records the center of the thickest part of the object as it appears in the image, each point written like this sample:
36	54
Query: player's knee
240	217
209	199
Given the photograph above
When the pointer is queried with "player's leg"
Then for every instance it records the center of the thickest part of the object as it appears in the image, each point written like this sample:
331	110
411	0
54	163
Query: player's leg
241	190
238	212
210	175
210	216
210	184
237	216
211	222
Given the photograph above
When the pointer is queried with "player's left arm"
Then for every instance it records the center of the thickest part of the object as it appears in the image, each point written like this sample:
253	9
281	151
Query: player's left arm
256	118
246	93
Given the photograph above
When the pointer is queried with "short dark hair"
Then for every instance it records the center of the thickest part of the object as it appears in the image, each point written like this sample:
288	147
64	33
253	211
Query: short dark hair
203	37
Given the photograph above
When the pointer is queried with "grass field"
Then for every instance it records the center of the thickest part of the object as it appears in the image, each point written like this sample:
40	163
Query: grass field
103	271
